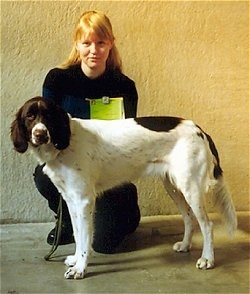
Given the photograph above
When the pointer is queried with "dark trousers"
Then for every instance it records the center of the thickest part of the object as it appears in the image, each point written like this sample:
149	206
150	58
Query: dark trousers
116	211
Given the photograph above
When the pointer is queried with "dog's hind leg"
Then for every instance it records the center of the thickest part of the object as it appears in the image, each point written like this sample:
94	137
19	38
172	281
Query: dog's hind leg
194	197
187	214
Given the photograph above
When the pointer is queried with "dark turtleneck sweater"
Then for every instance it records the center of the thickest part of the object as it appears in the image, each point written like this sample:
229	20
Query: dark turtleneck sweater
70	87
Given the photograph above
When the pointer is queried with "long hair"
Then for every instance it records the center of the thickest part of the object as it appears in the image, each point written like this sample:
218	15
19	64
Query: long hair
94	22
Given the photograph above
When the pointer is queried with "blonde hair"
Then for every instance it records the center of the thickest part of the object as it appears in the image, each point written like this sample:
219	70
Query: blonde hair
94	22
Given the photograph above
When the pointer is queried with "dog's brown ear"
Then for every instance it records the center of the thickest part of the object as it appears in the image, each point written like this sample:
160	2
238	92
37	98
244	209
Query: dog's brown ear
18	135
60	135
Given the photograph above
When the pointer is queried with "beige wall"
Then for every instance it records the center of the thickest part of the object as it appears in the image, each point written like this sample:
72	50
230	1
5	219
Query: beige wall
188	59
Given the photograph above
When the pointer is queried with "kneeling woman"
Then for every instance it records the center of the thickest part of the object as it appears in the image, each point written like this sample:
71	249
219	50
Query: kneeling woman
93	70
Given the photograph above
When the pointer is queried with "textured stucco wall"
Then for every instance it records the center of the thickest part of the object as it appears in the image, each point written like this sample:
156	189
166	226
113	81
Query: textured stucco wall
188	59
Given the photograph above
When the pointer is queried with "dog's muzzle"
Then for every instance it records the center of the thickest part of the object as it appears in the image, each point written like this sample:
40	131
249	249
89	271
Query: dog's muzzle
40	135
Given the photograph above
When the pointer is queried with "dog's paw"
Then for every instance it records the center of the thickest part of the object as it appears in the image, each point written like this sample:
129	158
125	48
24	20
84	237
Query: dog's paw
77	266
204	263
181	247
70	260
74	273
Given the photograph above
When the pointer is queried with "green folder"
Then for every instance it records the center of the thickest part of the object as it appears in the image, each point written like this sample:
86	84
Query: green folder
106	108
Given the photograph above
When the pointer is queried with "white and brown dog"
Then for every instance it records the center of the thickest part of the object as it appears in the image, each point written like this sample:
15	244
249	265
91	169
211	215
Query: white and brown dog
85	157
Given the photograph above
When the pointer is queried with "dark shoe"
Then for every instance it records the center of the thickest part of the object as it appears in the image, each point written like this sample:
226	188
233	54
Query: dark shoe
65	238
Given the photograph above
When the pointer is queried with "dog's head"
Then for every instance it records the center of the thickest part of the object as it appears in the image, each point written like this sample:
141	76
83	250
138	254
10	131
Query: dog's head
39	121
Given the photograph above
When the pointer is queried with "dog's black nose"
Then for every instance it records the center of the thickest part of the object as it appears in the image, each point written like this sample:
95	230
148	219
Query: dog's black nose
40	137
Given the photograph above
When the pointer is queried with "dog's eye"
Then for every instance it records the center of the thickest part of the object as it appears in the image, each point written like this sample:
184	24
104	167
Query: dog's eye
30	116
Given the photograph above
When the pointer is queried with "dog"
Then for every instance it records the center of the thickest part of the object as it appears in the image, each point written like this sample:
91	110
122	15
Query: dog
85	157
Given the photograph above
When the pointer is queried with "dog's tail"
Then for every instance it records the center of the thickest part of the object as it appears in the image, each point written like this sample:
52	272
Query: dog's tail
221	196
223	202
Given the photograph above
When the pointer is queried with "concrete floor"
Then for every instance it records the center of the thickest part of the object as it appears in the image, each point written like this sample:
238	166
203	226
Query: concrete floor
145	263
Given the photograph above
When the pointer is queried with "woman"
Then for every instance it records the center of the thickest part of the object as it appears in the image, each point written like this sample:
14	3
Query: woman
93	70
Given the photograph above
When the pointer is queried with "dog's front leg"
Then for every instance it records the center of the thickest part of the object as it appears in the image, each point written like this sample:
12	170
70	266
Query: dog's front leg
81	212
